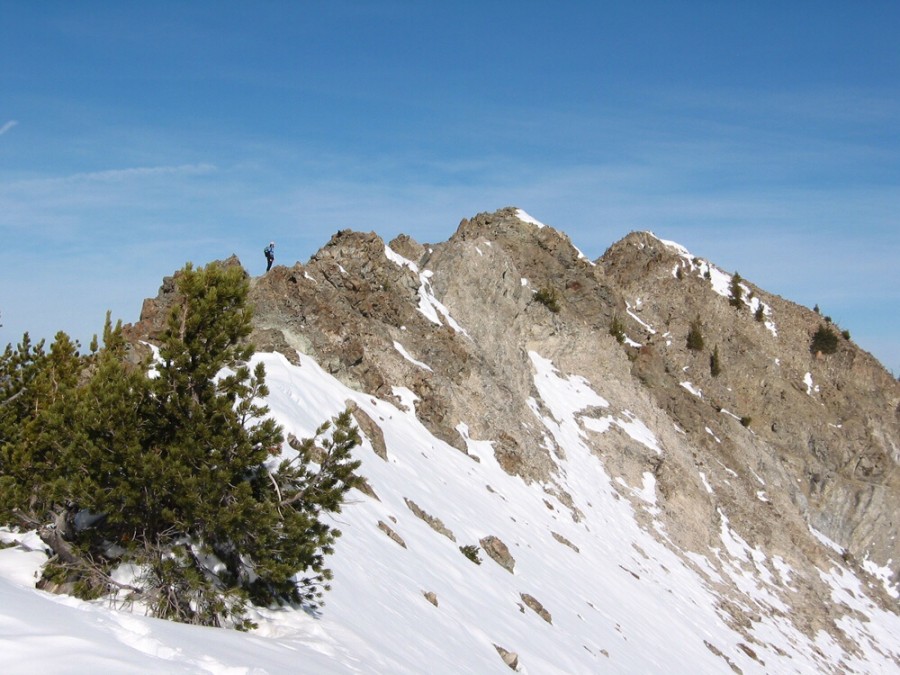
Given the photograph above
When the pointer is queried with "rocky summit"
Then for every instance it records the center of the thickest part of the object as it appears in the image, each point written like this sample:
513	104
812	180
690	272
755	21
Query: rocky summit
765	464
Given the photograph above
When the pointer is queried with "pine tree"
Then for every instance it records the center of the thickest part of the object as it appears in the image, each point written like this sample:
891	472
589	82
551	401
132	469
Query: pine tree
824	340
617	329
736	299
37	422
695	336
715	367
171	473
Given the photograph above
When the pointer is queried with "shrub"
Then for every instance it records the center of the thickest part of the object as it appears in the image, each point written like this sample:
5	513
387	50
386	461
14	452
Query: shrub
715	367
471	552
617	329
845	334
746	420
736	297
548	297
824	340
760	314
695	336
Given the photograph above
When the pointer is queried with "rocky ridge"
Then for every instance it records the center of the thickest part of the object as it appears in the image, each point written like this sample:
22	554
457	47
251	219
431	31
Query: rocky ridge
796	452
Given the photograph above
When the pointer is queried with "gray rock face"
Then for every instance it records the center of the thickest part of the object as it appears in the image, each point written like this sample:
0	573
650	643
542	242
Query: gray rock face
797	448
823	431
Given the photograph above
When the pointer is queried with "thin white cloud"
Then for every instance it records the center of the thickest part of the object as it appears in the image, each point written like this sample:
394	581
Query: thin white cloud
7	126
112	175
142	171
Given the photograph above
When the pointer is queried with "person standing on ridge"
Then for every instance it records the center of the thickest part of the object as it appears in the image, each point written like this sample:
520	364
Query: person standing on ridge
270	255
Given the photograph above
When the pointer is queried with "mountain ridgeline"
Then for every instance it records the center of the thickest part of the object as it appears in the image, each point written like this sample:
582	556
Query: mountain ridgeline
719	412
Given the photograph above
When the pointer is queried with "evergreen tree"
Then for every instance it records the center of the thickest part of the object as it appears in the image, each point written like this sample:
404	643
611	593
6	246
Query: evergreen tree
174	473
617	329
37	422
824	340
736	299
695	336
715	367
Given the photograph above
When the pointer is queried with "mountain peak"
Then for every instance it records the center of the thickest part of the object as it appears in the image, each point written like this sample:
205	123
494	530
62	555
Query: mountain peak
651	401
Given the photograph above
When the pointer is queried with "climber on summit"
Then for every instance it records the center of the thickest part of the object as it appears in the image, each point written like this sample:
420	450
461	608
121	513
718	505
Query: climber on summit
269	251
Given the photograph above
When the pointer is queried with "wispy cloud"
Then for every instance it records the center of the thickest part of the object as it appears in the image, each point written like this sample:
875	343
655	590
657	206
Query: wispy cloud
76	206
7	126
142	172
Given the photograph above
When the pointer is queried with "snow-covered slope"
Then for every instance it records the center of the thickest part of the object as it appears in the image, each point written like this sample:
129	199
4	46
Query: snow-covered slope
614	598
633	511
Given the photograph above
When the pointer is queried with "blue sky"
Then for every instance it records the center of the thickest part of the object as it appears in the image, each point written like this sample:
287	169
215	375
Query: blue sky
134	137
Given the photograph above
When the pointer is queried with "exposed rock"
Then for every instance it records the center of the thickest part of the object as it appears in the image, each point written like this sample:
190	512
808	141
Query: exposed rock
456	323
536	607
370	429
384	527
498	552
718	652
409	248
431	597
511	659
434	523
562	540
364	487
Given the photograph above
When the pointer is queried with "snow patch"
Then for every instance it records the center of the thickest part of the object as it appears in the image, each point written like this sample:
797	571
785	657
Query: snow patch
884	575
399	260
634	316
811	388
406	397
525	218
824	539
691	388
406	355
630	424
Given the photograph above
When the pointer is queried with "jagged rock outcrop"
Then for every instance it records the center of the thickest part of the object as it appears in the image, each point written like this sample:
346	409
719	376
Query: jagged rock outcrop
824	430
792	450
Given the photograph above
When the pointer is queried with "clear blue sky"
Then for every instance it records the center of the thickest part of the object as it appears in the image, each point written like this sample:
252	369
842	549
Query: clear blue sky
134	137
